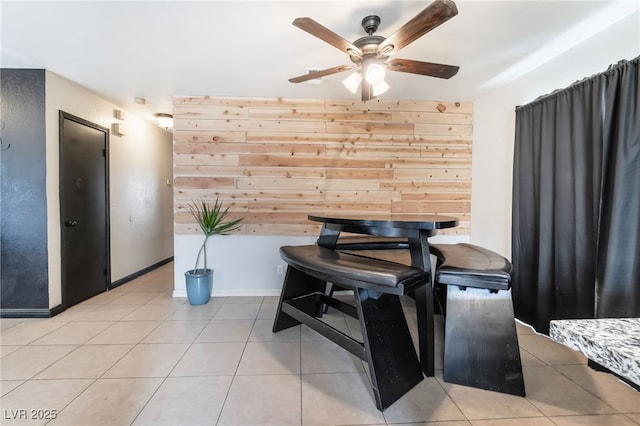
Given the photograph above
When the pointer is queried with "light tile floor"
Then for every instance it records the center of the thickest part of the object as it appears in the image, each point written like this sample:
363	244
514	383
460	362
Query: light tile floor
137	356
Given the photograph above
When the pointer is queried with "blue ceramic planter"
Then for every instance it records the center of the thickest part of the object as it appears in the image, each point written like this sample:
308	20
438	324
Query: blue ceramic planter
199	284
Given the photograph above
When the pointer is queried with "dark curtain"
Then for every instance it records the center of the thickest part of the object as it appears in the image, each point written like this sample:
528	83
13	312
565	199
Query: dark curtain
618	273
572	153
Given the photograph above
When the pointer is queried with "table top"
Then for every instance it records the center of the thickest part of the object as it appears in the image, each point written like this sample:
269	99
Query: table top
407	221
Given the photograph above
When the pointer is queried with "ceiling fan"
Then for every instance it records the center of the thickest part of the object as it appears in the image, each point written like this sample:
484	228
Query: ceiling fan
372	52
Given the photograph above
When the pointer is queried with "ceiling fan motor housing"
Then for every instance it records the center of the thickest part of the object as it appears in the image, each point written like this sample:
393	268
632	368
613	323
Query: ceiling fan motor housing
368	45
370	23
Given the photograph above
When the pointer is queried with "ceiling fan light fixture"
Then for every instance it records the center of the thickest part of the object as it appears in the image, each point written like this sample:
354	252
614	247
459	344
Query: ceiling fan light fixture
353	82
379	88
374	73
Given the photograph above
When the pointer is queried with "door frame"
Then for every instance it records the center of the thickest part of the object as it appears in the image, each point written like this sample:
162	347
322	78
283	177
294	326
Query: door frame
66	116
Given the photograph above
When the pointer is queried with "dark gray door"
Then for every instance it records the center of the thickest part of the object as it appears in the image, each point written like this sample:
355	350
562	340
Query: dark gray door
83	208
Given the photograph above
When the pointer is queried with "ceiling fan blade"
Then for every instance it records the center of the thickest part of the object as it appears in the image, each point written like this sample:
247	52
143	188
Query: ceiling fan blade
325	34
433	15
423	68
321	73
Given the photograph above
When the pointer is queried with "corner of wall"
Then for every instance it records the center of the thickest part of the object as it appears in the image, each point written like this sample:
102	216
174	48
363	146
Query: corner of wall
52	136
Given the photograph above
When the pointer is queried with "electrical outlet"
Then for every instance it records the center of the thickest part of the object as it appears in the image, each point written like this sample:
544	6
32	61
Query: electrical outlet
279	269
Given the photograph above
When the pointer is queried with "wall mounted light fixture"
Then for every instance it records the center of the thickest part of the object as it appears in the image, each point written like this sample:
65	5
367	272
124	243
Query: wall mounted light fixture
164	120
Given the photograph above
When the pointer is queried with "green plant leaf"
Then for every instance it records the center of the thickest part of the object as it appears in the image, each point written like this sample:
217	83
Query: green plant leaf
211	219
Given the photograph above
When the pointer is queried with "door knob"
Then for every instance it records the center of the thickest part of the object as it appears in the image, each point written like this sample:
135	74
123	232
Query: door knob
70	223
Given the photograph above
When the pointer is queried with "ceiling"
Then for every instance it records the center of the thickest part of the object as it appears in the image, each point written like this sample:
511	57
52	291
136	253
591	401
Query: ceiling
159	49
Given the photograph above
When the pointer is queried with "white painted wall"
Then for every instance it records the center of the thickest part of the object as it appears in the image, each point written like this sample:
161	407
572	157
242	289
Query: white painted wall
244	265
494	124
140	200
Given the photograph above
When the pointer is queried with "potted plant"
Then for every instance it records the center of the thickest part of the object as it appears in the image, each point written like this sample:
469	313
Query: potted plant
211	219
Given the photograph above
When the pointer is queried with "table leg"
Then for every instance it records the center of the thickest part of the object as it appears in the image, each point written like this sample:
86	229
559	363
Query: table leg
328	237
420	258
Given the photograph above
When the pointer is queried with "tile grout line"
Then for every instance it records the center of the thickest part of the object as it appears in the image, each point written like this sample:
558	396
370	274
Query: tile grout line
128	352
233	379
582	387
73	399
133	346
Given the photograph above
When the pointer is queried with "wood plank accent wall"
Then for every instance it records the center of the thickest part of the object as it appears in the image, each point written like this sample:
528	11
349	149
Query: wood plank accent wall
275	160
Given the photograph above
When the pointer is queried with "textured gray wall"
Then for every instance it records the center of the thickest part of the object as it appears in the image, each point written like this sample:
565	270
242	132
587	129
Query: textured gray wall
23	208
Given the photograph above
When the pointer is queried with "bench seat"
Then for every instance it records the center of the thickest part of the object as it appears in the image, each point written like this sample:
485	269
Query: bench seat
468	265
387	346
481	344
353	269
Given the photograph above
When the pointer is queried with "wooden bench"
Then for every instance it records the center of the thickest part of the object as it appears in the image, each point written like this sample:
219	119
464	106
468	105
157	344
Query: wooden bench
387	346
481	345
